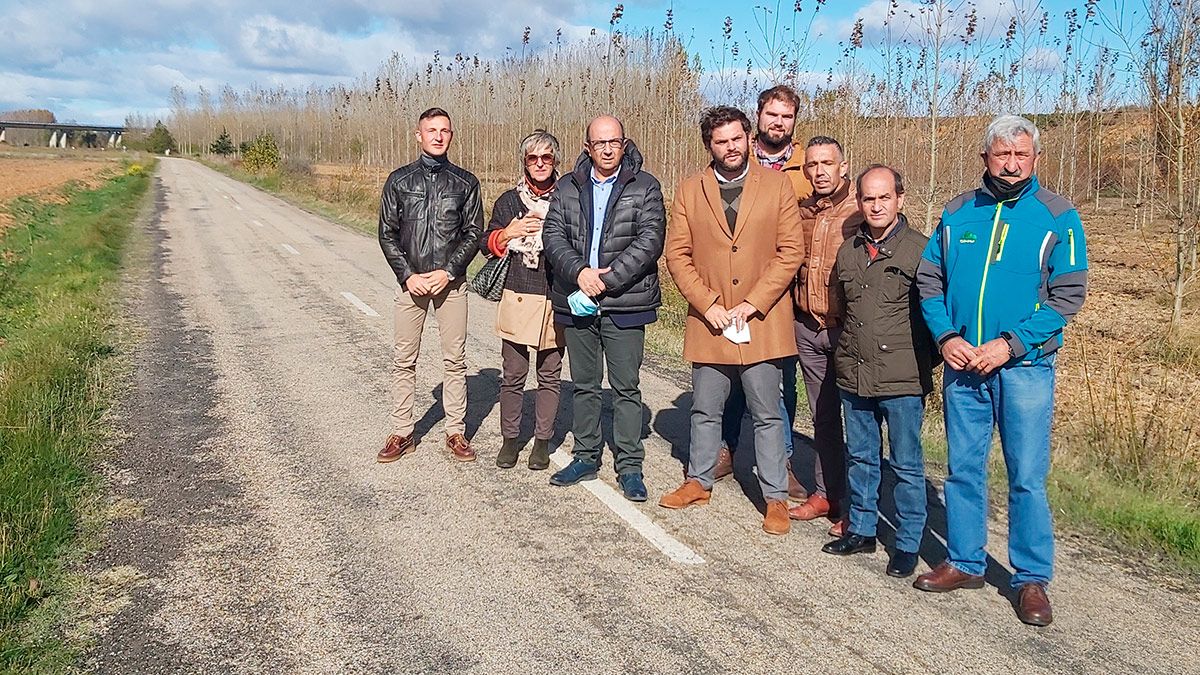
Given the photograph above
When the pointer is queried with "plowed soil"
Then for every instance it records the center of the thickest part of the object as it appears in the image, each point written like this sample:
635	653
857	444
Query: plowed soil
20	176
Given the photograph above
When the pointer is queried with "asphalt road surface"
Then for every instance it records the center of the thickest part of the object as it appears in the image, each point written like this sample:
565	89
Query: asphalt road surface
263	537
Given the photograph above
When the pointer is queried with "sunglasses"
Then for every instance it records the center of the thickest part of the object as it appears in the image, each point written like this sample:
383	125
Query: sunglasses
532	160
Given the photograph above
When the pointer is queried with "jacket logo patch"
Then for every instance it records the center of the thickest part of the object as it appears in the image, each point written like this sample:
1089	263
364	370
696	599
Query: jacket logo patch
968	238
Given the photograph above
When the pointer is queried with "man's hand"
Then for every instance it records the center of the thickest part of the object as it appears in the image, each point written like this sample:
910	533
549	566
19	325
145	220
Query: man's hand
957	353
990	356
437	280
717	316
417	285
741	314
589	280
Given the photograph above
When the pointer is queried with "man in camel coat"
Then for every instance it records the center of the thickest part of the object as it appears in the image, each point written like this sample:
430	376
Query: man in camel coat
733	247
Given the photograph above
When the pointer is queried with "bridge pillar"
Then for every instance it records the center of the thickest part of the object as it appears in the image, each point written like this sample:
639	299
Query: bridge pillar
62	140
2	139
54	139
118	140
112	140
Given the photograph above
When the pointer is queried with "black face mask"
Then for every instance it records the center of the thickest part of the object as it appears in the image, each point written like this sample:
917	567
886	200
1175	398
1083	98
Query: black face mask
1003	190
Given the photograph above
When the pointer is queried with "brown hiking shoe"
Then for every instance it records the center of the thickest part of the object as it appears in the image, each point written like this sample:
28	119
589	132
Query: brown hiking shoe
724	463
796	491
814	507
395	448
688	494
460	448
946	577
776	520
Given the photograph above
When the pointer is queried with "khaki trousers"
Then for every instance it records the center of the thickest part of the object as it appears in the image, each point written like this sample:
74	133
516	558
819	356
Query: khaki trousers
450	310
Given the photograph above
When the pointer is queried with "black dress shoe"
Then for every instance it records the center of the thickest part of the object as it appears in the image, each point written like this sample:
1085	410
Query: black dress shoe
902	564
850	544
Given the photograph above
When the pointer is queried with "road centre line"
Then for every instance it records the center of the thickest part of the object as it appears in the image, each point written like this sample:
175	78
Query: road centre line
237	207
290	249
362	306
258	223
670	546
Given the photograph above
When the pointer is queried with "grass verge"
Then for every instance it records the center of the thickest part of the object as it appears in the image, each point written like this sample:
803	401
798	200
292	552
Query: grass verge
59	266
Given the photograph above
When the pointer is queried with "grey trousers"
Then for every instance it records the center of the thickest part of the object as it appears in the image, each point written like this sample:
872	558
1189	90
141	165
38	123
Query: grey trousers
816	346
761	383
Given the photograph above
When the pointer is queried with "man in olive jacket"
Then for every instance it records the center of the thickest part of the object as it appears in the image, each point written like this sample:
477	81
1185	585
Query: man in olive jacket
603	237
884	361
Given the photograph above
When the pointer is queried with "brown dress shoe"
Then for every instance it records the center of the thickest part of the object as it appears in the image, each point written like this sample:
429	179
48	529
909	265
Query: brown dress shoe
688	494
839	527
460	448
796	491
946	577
776	520
395	448
814	507
724	463
1033	607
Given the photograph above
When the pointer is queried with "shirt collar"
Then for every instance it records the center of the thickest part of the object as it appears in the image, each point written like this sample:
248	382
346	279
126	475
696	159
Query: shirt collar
607	181
722	179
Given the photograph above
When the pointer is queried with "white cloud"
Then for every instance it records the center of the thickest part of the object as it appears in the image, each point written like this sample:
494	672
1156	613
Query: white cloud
125	55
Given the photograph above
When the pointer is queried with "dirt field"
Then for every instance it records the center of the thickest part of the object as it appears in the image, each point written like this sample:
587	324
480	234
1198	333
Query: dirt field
25	176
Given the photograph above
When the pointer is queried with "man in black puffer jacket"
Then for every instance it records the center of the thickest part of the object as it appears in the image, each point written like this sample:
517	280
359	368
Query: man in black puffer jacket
602	238
430	221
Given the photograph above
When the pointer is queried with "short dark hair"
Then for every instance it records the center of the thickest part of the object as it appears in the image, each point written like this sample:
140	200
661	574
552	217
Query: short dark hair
825	140
431	113
780	92
719	116
896	176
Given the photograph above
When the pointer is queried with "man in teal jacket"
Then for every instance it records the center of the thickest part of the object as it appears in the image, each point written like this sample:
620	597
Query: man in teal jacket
1004	272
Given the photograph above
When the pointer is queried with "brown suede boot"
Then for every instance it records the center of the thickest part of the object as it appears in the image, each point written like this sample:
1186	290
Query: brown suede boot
777	521
688	494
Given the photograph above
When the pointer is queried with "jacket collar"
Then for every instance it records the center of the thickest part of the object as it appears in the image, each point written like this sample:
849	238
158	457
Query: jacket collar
888	244
1030	189
432	164
631	165
836	199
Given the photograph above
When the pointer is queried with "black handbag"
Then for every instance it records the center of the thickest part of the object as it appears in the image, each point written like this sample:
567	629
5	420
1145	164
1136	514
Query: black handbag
488	282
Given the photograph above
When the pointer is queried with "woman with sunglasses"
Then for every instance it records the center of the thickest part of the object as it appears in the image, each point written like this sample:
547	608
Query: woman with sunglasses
525	317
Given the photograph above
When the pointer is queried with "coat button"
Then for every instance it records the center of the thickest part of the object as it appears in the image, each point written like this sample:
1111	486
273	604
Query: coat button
735	249
883	347
735	282
519	298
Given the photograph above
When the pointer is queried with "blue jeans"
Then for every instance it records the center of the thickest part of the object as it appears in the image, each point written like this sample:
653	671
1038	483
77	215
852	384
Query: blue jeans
735	409
1019	400
864	445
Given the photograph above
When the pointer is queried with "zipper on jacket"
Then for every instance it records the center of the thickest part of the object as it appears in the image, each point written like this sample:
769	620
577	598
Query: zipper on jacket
987	262
1071	241
1003	238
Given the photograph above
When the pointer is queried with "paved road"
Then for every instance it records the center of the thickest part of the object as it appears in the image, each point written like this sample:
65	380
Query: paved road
265	538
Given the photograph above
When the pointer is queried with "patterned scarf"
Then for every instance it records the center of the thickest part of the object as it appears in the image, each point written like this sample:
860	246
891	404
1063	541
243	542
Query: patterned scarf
536	203
775	162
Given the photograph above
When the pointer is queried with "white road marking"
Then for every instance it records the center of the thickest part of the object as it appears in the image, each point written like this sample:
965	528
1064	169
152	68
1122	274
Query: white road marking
670	546
225	196
258	223
237	207
362	306
290	249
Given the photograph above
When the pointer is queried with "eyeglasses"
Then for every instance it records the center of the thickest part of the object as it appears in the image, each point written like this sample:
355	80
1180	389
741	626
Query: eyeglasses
533	160
613	143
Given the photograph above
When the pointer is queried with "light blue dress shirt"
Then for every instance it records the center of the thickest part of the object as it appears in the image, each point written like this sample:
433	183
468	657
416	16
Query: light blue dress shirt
601	191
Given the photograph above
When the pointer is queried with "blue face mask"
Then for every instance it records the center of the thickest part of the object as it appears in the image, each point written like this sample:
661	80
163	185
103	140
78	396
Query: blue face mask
581	304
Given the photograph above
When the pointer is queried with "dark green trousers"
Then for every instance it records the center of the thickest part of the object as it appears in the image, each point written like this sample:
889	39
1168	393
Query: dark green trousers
591	346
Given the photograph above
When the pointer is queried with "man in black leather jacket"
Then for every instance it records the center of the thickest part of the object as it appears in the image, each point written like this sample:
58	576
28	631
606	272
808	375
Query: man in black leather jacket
602	238
430	221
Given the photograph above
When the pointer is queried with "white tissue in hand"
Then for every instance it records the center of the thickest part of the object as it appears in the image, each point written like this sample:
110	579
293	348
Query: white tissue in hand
738	337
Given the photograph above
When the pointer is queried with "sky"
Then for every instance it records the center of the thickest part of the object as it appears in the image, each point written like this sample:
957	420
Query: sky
95	62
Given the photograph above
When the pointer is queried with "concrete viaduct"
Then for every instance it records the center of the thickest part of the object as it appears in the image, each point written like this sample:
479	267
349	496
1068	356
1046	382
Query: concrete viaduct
58	132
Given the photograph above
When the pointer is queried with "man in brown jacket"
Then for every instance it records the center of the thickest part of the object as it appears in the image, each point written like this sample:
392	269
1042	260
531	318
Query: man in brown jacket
733	247
829	217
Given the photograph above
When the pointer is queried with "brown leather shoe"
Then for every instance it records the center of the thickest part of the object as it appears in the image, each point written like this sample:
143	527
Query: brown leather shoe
946	577
395	448
460	448
796	491
724	463
1033	607
839	527
776	520
688	494
814	507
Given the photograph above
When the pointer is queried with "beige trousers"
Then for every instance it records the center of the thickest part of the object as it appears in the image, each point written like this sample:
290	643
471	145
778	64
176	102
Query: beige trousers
450	310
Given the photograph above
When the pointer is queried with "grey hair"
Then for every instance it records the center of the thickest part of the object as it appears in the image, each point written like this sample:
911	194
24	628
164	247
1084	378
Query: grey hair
537	139
1007	128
